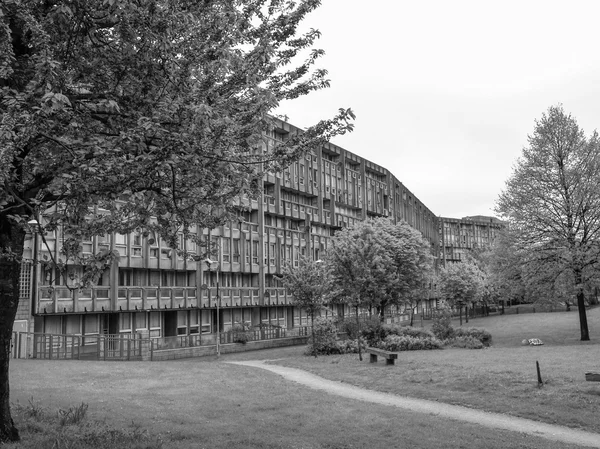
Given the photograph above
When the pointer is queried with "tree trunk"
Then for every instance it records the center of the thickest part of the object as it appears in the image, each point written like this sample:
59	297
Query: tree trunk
583	326
312	331
380	312
11	238
358	335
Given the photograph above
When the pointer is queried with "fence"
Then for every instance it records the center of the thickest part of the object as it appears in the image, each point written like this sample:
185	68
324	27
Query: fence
66	346
195	340
127	346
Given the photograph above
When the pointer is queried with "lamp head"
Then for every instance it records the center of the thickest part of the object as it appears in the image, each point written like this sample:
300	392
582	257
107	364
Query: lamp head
210	263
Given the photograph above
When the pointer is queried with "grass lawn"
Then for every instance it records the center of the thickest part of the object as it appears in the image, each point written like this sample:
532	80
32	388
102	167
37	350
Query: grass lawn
205	403
501	378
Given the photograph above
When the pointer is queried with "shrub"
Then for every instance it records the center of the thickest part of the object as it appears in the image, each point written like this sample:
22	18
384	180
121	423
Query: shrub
478	334
373	331
408	343
349	346
347	326
466	342
239	333
442	324
73	415
410	331
33	410
325	338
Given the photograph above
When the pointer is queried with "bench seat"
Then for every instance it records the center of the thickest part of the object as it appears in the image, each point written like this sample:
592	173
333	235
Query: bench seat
592	377
390	356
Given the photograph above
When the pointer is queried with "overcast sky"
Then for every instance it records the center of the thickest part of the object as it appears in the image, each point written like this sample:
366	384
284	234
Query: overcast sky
446	92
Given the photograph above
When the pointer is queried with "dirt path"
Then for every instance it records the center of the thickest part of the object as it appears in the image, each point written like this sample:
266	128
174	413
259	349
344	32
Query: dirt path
494	420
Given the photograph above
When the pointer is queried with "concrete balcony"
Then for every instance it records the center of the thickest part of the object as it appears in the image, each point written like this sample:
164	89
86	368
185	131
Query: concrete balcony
53	300
61	299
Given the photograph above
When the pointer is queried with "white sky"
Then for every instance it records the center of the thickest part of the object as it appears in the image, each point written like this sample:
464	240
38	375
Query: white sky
446	92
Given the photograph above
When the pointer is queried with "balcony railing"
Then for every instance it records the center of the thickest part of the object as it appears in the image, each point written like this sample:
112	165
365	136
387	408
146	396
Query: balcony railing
138	298
98	299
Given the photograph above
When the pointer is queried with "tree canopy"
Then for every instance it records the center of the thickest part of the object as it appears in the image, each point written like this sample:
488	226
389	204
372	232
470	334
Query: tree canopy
163	104
461	283
380	262
310	286
552	201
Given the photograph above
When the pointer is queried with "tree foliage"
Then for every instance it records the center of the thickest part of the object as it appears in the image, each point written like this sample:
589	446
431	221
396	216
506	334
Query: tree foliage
310	286
461	283
164	104
552	201
381	262
375	264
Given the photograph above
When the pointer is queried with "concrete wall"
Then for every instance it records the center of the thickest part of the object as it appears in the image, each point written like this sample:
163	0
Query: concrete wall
201	351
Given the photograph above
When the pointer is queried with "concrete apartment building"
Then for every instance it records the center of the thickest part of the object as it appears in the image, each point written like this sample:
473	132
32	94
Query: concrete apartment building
459	236
152	292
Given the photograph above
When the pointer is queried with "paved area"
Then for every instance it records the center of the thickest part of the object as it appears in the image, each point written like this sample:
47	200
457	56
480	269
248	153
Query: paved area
493	420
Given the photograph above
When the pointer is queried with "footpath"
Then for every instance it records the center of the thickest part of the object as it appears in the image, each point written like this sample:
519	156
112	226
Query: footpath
493	420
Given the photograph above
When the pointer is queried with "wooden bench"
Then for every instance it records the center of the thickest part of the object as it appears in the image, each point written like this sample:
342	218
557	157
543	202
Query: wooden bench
390	357
592	377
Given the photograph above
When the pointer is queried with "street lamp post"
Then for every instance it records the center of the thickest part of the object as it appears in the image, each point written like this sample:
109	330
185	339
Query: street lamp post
209	264
34	229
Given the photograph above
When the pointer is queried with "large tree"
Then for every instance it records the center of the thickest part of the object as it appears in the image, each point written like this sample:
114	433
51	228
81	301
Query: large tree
161	103
377	264
552	201
461	284
310	286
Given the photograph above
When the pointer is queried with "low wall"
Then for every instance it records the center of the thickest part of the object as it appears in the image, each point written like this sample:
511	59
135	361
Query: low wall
202	351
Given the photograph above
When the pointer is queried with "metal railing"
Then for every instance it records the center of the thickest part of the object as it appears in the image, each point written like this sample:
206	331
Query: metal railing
128	346
98	347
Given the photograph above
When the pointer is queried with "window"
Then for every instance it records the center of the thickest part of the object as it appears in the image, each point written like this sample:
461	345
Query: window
205	321
125	321
182	321
140	320
194	322
125	277
226	250
236	250
90	324
154	320
255	251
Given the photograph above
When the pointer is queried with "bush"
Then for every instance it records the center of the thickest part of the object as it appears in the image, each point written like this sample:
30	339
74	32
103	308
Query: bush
442	324
466	342
73	415
409	331
373	331
239	333
478	334
325	338
408	343
347	326
349	346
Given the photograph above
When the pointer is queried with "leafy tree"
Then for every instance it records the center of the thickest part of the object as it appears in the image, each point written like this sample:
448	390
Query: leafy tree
413	264
552	200
310	285
504	264
162	103
535	276
461	283
376	263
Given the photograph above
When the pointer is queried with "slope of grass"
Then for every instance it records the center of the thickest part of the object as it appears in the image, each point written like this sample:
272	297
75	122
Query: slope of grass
502	378
204	403
554	329
210	404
